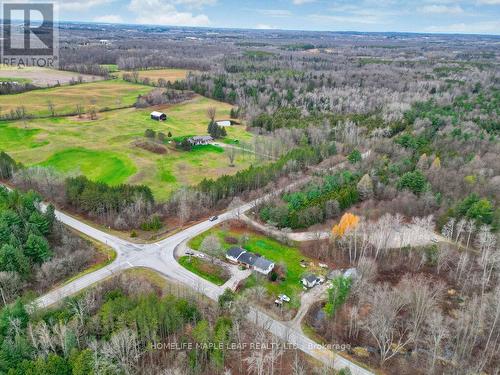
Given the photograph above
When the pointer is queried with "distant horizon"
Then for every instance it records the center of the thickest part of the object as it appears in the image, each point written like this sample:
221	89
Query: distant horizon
273	30
455	17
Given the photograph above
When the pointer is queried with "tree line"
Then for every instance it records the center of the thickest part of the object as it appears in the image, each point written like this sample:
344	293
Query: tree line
313	204
254	178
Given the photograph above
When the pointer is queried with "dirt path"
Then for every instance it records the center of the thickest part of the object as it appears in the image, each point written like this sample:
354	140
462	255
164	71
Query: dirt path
309	297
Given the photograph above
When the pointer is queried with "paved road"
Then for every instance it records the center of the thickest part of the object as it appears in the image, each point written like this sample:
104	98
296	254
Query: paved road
160	257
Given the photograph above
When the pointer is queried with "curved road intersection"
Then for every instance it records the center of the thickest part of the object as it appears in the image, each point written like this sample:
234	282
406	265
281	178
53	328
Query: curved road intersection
159	257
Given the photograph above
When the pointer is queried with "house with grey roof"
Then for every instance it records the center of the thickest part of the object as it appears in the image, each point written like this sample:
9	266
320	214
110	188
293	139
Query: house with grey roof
234	253
310	281
262	265
238	255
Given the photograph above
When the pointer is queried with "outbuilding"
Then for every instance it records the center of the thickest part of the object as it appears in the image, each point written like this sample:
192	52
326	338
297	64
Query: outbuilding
310	281
158	116
223	123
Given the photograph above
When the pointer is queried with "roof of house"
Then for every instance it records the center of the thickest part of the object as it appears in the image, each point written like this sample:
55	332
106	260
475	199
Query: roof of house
248	258
310	278
235	252
262	263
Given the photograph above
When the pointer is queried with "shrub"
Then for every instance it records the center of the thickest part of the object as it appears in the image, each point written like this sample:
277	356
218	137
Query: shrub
414	181
231	240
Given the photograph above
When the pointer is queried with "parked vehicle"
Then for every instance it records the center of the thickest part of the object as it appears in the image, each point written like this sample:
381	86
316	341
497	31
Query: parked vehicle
284	297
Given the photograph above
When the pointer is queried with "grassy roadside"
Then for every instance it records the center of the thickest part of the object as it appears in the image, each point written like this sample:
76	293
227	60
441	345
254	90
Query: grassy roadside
211	272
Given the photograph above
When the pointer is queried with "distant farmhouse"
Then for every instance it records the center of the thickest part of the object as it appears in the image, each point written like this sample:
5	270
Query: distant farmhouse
238	255
200	140
158	116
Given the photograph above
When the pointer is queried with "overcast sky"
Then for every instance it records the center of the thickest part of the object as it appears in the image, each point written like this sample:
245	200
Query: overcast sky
448	16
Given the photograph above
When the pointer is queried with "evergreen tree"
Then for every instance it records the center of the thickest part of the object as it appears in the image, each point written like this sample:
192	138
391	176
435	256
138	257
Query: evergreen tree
37	249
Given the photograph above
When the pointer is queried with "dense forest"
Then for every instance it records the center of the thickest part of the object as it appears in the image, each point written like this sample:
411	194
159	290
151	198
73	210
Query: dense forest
133	324
35	250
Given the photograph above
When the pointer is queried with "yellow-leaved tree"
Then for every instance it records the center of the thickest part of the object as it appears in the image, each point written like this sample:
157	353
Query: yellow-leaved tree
347	222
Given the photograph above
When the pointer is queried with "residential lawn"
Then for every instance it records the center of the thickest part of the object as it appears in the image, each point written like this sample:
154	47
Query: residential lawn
103	148
99	95
166	74
211	272
279	253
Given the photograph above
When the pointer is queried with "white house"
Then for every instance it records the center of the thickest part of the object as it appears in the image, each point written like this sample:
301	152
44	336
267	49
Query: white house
200	140
240	256
263	266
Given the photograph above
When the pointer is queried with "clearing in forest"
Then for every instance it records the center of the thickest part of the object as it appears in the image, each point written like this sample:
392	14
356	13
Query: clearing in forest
105	149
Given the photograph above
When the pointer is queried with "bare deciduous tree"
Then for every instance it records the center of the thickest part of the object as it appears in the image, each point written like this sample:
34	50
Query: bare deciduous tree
211	113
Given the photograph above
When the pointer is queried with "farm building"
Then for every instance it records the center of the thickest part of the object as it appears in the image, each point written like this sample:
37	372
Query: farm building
240	256
200	140
158	116
223	123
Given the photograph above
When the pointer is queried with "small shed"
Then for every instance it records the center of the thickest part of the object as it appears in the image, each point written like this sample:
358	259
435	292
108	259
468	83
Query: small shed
158	116
223	123
310	281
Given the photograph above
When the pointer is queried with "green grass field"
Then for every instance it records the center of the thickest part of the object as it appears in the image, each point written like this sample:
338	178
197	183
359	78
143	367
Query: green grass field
102	166
103	149
18	80
279	253
211	272
99	95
